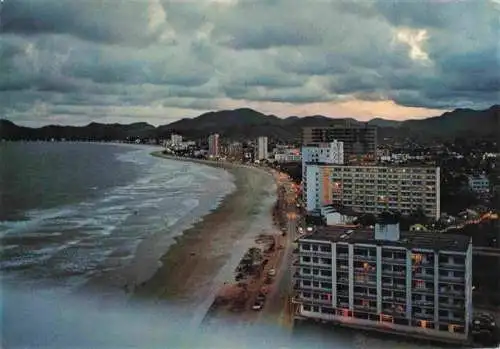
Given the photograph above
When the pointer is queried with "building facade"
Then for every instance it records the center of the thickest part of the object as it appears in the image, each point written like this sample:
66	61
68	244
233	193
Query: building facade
416	283
175	139
479	184
359	139
373	189
262	148
320	153
213	145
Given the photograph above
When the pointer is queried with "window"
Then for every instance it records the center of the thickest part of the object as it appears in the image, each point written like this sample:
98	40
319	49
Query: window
306	259
306	307
315	260
327	310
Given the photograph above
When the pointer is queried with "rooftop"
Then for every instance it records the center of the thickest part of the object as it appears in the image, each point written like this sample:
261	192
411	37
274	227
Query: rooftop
410	239
385	165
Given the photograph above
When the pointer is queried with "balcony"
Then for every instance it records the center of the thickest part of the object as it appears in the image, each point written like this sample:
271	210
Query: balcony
423	290
452	292
451	319
422	316
364	282
394	312
452	279
342	255
363	257
399	300
394	260
364	308
393	286
393	273
365	270
344	281
362	295
318	253
423	304
451	305
448	265
300	299
303	276
425	276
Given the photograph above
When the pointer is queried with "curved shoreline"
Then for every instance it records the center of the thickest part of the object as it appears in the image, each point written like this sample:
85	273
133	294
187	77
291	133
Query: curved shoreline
205	255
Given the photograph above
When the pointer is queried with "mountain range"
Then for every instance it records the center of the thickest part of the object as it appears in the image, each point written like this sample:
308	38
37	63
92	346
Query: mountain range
246	124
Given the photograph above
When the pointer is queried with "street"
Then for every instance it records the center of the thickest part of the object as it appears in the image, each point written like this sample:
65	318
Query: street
278	307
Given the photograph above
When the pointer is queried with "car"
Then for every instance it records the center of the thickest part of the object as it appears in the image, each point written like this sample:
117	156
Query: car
258	305
271	272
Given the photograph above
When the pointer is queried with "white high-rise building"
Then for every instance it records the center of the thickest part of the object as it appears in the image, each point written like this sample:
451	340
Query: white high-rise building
213	145
417	283
262	148
175	139
325	153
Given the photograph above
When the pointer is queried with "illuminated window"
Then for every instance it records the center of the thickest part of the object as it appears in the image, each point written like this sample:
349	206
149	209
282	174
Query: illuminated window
419	284
417	258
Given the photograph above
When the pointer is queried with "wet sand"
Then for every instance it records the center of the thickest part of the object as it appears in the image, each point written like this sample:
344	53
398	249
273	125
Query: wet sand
204	257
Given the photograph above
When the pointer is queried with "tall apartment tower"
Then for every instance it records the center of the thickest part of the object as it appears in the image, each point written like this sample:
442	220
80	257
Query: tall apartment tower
414	283
213	145
262	148
321	153
359	139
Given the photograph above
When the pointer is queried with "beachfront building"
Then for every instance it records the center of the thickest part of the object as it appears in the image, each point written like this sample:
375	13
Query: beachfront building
373	189
359	139
322	153
175	139
262	146
286	154
417	283
213	145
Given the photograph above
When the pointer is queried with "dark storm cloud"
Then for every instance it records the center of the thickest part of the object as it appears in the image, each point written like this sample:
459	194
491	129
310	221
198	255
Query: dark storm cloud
152	58
94	20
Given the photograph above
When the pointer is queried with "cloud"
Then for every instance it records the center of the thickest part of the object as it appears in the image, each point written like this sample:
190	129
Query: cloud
159	60
136	23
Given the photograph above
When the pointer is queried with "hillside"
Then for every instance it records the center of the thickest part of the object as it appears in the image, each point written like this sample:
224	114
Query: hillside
245	124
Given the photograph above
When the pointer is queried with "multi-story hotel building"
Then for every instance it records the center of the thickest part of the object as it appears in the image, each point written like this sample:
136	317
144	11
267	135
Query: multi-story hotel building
373	189
213	145
262	149
359	139
418	283
321	153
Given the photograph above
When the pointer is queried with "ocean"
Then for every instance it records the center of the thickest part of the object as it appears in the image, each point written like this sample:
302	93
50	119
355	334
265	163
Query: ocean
71	211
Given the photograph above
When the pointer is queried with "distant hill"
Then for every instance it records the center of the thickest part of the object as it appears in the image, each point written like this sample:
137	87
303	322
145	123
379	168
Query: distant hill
245	124
379	122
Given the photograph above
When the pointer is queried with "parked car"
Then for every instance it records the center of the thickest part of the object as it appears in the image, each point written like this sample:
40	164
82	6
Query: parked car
271	272
258	305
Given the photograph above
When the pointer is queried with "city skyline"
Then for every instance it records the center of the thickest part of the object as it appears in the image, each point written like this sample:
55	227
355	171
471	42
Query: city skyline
159	61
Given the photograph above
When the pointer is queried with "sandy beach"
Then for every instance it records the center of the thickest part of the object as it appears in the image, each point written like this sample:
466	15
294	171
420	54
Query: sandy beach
205	256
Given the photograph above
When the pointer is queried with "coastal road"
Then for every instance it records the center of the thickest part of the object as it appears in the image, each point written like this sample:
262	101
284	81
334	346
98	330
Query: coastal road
277	309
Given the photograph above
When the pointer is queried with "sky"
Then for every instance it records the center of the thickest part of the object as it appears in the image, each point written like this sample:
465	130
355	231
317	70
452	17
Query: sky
73	62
